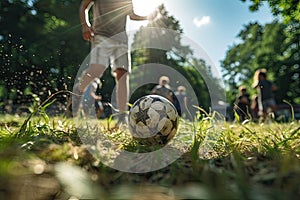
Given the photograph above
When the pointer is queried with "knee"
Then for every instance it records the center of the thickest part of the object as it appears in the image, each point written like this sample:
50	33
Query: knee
121	73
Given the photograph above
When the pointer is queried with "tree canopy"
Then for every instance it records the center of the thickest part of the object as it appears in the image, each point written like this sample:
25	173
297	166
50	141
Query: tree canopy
167	32
265	46
288	9
274	46
40	47
42	50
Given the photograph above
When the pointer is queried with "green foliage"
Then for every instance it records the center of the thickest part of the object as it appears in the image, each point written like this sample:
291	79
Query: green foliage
41	50
271	47
288	9
280	47
173	54
40	46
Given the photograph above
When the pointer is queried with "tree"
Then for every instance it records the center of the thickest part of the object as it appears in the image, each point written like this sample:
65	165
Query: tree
279	49
239	62
173	53
40	47
288	9
265	47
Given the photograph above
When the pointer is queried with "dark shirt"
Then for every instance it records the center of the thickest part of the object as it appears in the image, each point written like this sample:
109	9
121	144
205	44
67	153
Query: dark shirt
162	91
243	102
265	88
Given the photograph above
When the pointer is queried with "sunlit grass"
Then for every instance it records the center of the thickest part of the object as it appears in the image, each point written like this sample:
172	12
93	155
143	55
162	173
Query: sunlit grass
220	160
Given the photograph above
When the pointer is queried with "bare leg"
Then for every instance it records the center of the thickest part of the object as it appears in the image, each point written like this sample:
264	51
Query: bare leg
94	71
122	89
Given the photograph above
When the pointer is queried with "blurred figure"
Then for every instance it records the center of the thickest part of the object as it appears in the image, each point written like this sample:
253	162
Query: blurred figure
181	101
91	100
242	104
254	107
163	89
265	89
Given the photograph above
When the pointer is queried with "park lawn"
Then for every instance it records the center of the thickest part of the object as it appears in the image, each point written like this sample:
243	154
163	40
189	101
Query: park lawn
44	157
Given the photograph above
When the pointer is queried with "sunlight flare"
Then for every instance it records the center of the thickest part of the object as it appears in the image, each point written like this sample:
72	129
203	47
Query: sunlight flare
146	7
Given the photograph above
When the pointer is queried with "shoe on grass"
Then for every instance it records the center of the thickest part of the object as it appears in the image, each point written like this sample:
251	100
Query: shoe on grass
122	120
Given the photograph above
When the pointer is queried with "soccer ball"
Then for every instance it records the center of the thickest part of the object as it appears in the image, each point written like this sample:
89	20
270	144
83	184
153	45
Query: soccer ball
153	120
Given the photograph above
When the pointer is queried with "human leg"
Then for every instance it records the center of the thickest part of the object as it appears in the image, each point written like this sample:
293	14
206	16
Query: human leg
120	62
122	91
272	105
98	109
94	71
99	57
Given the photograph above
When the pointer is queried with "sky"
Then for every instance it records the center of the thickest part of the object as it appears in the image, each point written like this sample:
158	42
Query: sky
211	24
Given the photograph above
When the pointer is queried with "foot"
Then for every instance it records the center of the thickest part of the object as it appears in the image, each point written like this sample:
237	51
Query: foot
122	120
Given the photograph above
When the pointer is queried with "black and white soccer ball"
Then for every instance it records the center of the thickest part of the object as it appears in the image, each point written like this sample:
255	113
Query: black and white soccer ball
153	119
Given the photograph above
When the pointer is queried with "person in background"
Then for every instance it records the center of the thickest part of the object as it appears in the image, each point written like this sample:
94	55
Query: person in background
109	43
163	89
91	100
242	104
181	104
254	107
265	89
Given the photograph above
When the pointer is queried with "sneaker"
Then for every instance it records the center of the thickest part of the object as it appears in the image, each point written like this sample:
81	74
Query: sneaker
122	120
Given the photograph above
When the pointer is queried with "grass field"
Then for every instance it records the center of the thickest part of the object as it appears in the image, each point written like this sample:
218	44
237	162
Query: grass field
44	157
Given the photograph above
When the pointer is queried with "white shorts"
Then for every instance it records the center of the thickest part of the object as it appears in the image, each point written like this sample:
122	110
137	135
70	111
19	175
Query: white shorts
107	51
